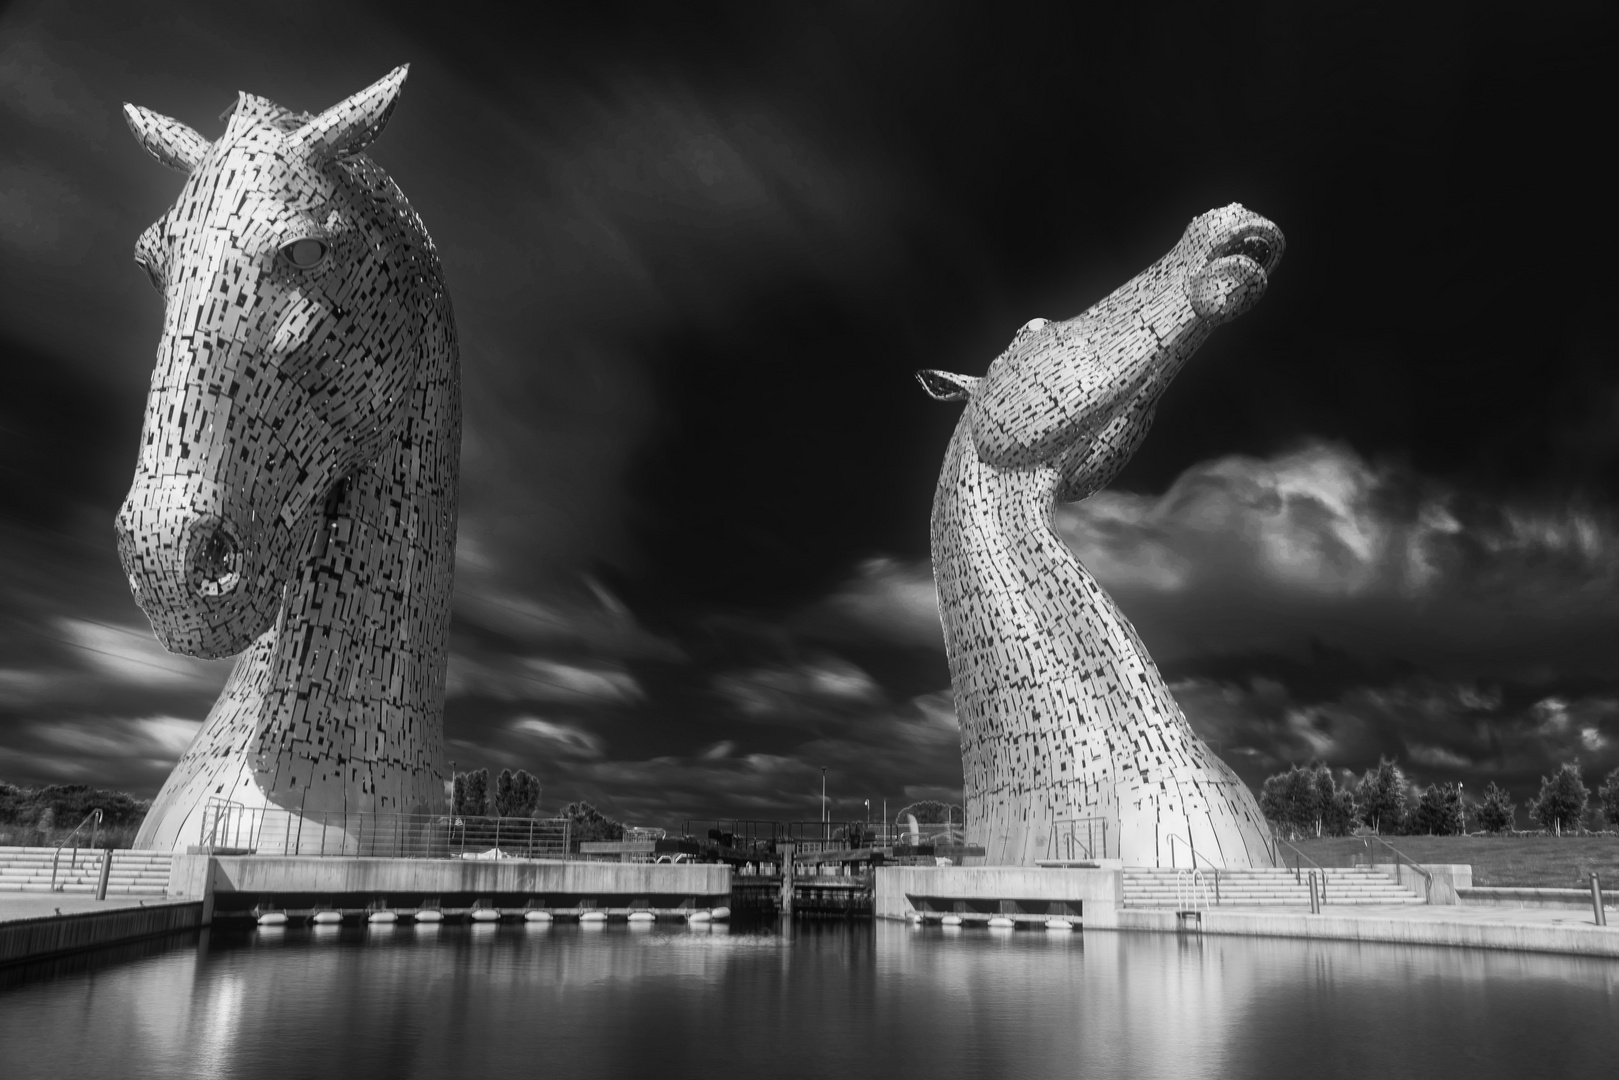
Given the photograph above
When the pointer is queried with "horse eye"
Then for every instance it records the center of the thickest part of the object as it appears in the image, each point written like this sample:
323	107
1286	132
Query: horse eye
151	273
305	254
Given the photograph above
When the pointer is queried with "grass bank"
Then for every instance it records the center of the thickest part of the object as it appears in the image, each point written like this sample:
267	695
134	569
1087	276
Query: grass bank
1530	860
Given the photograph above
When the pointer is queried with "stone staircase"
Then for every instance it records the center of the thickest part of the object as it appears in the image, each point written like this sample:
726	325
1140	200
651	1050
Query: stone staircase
134	873
1155	887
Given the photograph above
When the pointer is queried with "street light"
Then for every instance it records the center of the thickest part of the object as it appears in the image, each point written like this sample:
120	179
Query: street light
824	831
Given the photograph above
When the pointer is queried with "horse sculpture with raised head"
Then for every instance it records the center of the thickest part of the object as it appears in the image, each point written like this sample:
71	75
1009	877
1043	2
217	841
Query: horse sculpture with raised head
295	495
1068	732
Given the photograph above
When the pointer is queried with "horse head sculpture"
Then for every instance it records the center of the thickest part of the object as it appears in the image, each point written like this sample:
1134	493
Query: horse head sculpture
295	487
1064	717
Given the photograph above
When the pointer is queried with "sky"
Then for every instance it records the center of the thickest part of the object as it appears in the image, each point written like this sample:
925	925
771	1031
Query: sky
696	253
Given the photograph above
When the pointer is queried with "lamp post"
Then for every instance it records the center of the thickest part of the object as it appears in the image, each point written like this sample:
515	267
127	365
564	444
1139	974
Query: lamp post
824	830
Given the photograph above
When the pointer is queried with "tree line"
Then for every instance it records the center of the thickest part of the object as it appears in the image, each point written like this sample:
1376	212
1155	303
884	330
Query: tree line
517	794
1307	800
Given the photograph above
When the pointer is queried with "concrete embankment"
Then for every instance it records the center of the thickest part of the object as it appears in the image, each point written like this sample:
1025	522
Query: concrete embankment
1536	920
41	931
1515	897
239	885
1451	925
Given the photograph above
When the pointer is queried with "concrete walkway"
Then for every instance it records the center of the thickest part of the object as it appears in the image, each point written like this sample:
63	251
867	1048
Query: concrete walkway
34	926
38	905
1536	929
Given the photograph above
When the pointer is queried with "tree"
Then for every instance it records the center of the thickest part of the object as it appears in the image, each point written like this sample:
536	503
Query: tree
527	786
472	793
1336	805
588	823
1608	794
516	794
1561	802
1439	811
932	812
1289	800
1307	801
1380	796
1498	810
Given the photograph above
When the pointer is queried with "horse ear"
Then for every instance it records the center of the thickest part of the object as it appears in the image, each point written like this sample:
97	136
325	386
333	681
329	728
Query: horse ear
944	386
171	142
353	123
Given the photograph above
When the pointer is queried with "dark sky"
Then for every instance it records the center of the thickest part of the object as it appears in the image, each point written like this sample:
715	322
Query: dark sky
696	253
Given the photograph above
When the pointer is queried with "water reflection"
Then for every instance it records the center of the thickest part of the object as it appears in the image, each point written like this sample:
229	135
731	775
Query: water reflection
813	1000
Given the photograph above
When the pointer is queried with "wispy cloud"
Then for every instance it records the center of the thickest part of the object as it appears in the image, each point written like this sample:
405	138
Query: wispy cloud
564	739
798	692
133	656
539	678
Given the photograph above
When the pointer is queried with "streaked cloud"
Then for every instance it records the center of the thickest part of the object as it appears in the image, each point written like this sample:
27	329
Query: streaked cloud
565	739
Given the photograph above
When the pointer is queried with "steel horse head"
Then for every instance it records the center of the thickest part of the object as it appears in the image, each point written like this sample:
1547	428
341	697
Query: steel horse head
295	282
295	493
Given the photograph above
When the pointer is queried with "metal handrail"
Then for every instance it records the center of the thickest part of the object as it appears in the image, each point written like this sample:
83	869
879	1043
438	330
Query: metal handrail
1195	856
269	830
1298	868
1194	882
1400	857
93	819
1058	833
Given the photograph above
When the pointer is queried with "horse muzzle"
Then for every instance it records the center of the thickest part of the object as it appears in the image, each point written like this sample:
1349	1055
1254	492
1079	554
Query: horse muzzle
196	567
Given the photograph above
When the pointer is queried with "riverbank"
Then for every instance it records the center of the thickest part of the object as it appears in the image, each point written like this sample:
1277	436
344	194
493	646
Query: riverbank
1540	930
1511	860
36	927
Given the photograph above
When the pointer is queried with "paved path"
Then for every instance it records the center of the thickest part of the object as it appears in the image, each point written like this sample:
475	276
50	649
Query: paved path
1528	929
1449	913
35	905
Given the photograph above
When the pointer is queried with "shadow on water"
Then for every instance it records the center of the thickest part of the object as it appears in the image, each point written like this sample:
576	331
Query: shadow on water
807	1000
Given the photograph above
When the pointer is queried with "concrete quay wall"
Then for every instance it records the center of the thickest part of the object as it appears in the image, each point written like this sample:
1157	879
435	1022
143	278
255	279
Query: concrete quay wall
1525	937
1096	890
222	879
1514	897
54	935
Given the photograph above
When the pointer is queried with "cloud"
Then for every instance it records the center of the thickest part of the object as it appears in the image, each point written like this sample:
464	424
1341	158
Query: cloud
539	678
1438	730
561	738
36	87
133	656
1244	554
789	693
886	599
162	738
133	752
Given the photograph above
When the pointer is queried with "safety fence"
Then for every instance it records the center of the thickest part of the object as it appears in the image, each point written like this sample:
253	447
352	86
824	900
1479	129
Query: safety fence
278	831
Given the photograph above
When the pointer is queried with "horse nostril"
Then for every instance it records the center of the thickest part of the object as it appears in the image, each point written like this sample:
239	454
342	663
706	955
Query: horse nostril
216	560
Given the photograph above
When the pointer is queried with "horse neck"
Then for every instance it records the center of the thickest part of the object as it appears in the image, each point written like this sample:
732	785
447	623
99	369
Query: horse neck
999	562
363	638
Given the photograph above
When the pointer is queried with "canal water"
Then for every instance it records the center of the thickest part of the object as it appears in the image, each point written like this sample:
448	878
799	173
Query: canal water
828	1000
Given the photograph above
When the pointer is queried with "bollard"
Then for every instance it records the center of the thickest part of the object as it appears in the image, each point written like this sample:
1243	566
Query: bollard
1596	900
1315	905
785	906
106	872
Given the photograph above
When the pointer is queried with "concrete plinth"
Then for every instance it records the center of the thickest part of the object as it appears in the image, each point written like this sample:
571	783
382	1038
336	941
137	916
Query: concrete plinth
1021	892
238	882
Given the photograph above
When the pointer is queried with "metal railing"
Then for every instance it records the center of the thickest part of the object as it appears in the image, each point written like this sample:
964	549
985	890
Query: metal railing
1195	856
92	819
258	830
1189	885
1278	858
1078	838
1398	859
764	836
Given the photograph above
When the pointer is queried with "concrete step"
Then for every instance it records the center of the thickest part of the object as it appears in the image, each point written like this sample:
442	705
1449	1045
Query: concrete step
133	873
1264	886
